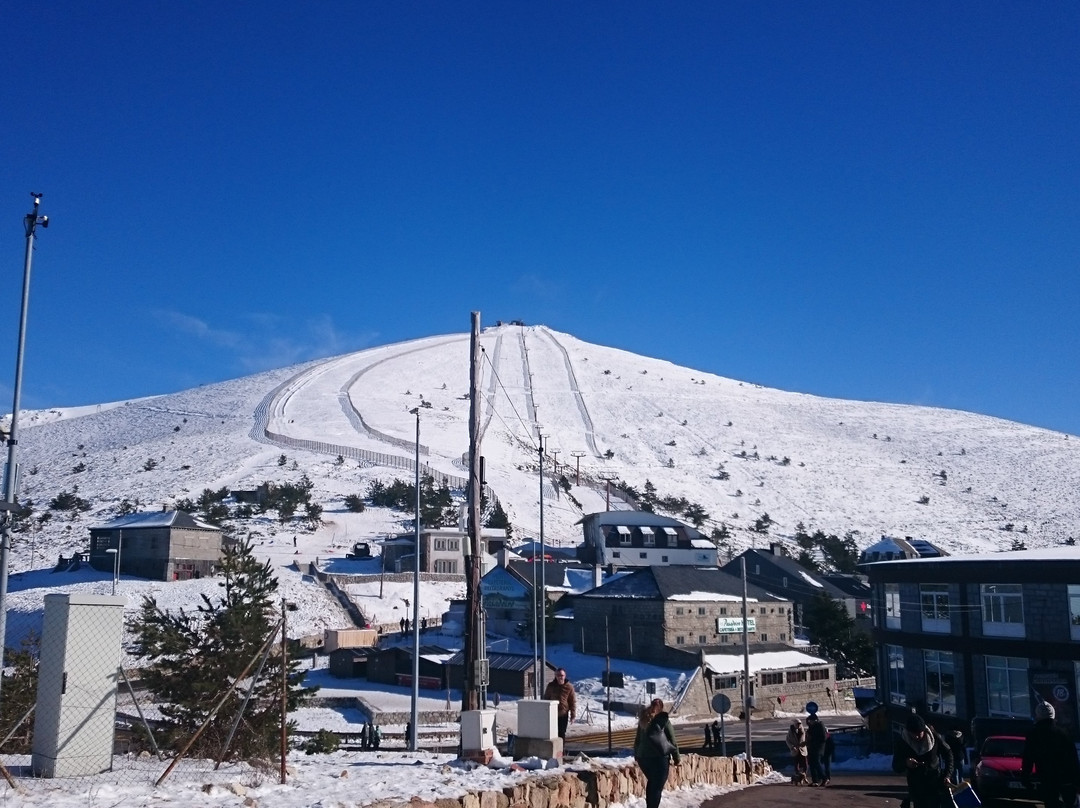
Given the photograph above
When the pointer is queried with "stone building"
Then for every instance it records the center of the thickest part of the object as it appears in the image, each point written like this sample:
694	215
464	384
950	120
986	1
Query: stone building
161	545
657	612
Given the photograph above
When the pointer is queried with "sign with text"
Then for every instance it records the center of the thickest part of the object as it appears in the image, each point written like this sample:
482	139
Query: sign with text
734	625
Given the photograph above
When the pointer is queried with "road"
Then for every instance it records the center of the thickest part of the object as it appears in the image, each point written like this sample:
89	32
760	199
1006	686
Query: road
767	731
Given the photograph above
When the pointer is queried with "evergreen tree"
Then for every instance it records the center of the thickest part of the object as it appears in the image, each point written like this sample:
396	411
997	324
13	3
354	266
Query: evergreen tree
837	637
194	657
20	694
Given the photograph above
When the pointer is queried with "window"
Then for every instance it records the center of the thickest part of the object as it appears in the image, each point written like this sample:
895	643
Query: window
796	676
445	565
934	599
940	682
663	559
723	610
440	544
776	678
453	544
643	555
1074	611
678	610
764	638
624	536
680	640
892	605
783	636
819	675
647	537
701	610
895	673
1003	610
1007	686
726	682
616	554
702	639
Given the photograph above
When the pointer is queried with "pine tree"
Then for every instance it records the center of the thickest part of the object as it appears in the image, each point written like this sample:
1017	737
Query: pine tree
194	657
834	632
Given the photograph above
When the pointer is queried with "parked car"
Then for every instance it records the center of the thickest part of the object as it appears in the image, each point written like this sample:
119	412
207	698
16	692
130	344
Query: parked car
997	774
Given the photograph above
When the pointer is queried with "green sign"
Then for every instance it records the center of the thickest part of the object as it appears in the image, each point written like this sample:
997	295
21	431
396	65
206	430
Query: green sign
734	625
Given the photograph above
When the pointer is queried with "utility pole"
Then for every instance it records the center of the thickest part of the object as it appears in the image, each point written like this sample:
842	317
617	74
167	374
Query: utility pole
748	697
607	478
577	454
7	515
543	574
475	662
414	712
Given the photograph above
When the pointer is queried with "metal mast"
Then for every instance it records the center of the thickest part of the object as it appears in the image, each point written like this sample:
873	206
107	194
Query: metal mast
7	516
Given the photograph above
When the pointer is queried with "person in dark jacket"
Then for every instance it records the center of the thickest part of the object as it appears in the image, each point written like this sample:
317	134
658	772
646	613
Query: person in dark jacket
654	758
559	689
815	748
1051	754
925	758
959	754
827	756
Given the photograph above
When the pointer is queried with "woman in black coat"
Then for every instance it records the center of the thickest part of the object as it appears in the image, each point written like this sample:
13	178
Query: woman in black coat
924	756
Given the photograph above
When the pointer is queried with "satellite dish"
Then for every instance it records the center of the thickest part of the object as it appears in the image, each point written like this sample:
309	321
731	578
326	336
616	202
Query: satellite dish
811	707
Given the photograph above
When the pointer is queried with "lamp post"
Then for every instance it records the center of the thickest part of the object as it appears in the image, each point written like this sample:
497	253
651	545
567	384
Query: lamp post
30	223
116	565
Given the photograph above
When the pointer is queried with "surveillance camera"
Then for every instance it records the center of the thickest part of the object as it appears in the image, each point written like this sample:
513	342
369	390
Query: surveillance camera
44	221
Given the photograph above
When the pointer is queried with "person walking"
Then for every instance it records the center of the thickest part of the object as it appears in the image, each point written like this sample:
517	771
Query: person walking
1049	753
796	743
827	757
959	755
655	750
815	747
925	758
559	689
708	737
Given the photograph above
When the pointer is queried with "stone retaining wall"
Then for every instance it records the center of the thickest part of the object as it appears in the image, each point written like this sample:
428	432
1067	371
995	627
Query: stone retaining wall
599	786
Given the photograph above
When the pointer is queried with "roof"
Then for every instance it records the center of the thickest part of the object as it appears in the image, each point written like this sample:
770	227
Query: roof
680	583
501	662
155	519
790	567
637	519
761	661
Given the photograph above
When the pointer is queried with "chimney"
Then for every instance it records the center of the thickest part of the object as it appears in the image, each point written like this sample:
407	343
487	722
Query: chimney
776	548
597	575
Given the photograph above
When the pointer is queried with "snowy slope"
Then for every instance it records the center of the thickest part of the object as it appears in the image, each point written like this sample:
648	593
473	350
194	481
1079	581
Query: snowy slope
833	465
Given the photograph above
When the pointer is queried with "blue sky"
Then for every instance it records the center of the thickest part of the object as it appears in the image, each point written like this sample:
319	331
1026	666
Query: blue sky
877	201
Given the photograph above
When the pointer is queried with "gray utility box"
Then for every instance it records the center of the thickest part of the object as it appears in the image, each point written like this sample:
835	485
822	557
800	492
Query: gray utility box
75	716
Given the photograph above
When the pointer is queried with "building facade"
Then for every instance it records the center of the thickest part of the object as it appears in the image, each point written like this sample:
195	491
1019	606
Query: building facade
654	613
642	539
160	545
979	637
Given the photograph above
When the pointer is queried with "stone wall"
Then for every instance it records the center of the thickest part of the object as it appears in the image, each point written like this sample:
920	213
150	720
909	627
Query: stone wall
599	786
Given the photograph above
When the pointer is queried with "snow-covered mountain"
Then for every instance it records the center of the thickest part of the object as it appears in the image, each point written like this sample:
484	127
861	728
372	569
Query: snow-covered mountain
964	481
953	477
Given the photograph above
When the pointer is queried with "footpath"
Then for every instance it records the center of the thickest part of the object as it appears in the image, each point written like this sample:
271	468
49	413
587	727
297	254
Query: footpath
846	790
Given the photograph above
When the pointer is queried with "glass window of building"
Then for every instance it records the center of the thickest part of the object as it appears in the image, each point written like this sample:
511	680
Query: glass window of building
940	682
892	605
934	600
1074	610
1003	610
895	674
1007	686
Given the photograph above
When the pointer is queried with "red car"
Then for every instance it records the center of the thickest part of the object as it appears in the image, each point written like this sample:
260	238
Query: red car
997	774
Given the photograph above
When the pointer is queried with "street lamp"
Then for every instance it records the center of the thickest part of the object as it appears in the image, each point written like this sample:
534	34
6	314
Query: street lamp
115	553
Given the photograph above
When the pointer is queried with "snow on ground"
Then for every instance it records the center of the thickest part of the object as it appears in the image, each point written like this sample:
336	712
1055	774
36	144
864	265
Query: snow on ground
340	779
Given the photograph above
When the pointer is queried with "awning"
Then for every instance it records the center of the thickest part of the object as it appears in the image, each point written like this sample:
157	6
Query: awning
669	530
646	531
622	529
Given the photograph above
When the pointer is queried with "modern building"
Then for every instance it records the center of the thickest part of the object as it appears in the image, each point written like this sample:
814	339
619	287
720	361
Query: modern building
979	636
890	548
160	545
642	539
